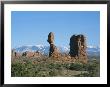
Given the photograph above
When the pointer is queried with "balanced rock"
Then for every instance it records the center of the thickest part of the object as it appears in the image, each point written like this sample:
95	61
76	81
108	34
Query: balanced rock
50	38
53	51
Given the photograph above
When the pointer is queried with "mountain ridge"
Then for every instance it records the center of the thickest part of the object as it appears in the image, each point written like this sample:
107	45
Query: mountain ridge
91	50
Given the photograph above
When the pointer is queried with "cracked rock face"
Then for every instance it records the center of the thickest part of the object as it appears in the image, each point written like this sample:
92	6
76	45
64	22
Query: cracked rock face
78	47
53	51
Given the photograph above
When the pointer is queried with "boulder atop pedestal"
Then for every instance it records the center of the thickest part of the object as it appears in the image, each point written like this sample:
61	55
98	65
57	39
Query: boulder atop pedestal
53	51
50	38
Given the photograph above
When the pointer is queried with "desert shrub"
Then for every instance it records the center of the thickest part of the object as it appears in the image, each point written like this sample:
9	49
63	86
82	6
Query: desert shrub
18	69
76	66
66	65
83	75
40	67
42	74
92	68
24	68
54	66
53	72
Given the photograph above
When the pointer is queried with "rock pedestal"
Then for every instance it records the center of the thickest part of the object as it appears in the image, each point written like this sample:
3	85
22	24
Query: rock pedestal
53	51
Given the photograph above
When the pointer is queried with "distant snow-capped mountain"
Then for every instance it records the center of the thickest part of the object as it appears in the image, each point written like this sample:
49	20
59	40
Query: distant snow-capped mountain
91	50
40	48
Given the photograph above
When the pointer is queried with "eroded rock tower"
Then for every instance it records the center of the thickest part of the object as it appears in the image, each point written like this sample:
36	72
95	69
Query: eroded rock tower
53	51
78	48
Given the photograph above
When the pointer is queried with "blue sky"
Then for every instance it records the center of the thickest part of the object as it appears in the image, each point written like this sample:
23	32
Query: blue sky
33	27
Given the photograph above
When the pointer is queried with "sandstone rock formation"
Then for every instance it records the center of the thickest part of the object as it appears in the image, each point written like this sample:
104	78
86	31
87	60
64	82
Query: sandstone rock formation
78	48
37	54
53	51
50	38
28	54
15	54
31	54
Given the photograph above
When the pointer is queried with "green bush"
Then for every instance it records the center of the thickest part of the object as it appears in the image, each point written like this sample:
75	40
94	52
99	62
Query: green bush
83	75
92	68
76	66
17	69
52	73
25	67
